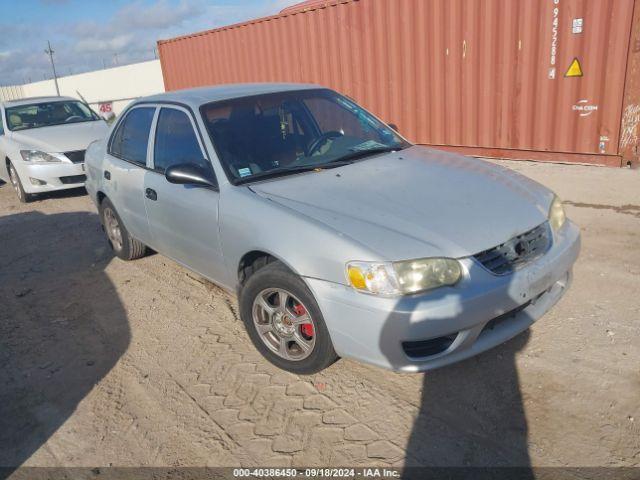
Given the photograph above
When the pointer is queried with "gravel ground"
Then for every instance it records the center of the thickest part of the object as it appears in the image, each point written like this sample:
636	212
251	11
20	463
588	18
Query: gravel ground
104	362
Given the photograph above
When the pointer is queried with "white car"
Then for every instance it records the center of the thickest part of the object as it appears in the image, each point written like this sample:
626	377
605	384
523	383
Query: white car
43	141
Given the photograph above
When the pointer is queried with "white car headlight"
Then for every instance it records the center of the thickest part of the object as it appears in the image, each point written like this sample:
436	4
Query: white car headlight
557	216
403	278
37	156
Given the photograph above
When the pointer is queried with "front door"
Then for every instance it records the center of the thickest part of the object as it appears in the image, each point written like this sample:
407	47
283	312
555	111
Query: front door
183	218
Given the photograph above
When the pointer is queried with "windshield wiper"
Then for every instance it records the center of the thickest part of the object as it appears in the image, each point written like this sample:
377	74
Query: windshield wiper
350	157
278	172
338	162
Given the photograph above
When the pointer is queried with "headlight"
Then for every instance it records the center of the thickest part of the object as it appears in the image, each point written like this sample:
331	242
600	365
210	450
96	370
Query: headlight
402	278
557	216
38	157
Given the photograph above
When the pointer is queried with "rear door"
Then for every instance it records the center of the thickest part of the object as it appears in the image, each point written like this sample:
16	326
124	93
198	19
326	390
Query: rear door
183	218
125	169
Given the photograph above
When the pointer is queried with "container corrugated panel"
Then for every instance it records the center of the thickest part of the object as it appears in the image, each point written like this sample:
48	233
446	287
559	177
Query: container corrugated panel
306	5
482	75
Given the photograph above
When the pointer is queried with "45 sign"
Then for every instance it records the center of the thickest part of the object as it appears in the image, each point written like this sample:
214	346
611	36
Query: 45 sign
106	107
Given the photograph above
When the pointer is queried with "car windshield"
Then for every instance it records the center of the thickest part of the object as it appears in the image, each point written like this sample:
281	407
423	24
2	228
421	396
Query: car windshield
47	114
288	132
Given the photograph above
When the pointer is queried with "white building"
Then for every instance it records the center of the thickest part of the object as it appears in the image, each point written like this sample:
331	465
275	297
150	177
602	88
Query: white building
105	90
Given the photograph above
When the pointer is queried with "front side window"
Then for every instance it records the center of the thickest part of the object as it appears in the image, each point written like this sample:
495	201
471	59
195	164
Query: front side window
283	133
47	114
176	141
132	136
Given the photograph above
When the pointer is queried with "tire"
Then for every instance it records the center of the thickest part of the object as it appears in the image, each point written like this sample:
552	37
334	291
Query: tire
122	243
23	196
280	329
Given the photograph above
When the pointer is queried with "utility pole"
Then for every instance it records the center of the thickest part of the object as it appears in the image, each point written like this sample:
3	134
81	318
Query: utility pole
50	52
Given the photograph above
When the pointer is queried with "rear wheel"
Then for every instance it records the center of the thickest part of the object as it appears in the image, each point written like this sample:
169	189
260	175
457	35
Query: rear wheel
123	244
284	321
23	196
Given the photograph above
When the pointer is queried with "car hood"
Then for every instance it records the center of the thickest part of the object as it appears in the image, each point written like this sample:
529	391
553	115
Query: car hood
417	202
61	138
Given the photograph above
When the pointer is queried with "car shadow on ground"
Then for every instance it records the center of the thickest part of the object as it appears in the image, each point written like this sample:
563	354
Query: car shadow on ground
70	193
471	413
62	325
38	197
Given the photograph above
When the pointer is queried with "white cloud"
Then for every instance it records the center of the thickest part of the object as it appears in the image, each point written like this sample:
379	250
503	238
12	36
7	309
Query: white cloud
127	36
113	44
160	15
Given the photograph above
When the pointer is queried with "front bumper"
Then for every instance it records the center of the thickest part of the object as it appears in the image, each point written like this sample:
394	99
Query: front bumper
58	176
372	329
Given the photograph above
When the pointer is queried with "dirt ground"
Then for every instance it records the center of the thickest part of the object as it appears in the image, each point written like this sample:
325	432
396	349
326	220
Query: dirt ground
104	362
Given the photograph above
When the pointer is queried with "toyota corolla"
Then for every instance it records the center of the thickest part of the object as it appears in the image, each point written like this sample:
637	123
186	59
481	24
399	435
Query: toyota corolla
339	237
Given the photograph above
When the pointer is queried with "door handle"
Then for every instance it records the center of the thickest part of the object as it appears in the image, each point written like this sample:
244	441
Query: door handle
151	194
107	174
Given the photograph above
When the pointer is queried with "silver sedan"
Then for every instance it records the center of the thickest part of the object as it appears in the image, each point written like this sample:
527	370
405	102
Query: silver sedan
340	238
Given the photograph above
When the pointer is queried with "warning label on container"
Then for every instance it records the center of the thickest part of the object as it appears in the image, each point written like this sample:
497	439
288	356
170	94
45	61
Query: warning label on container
576	25
575	69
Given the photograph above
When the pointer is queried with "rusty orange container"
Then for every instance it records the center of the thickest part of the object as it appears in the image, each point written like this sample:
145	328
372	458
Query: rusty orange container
532	79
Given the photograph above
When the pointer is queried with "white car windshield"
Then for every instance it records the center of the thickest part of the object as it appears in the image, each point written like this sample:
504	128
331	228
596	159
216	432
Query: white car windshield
288	132
48	114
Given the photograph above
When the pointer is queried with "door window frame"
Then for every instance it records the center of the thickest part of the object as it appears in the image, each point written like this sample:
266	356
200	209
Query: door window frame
120	124
196	130
154	125
152	136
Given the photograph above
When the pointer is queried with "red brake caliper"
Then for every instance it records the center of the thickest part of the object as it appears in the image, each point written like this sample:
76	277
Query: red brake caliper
305	328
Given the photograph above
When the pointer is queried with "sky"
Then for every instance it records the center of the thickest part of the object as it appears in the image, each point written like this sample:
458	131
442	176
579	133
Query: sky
88	35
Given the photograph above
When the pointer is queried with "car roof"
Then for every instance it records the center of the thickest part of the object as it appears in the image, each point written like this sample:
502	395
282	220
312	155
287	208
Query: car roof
33	100
195	97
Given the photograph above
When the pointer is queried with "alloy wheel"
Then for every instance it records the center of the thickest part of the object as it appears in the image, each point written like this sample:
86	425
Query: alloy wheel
284	324
112	227
14	181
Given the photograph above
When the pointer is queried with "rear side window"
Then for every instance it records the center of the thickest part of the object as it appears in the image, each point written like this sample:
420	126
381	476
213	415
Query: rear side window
176	141
132	137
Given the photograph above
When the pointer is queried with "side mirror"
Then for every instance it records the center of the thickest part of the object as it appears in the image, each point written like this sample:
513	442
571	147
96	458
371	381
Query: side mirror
190	174
393	127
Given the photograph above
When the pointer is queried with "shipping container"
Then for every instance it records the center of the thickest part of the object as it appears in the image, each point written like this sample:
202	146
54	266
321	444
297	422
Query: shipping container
529	79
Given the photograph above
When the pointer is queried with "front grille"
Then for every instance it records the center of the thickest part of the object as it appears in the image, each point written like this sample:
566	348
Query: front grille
516	252
73	179
75	157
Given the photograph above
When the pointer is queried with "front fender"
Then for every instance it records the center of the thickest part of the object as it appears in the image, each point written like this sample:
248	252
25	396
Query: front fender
10	149
249	222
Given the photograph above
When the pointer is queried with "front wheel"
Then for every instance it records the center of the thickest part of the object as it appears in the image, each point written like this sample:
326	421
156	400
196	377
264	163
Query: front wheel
23	196
284	321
